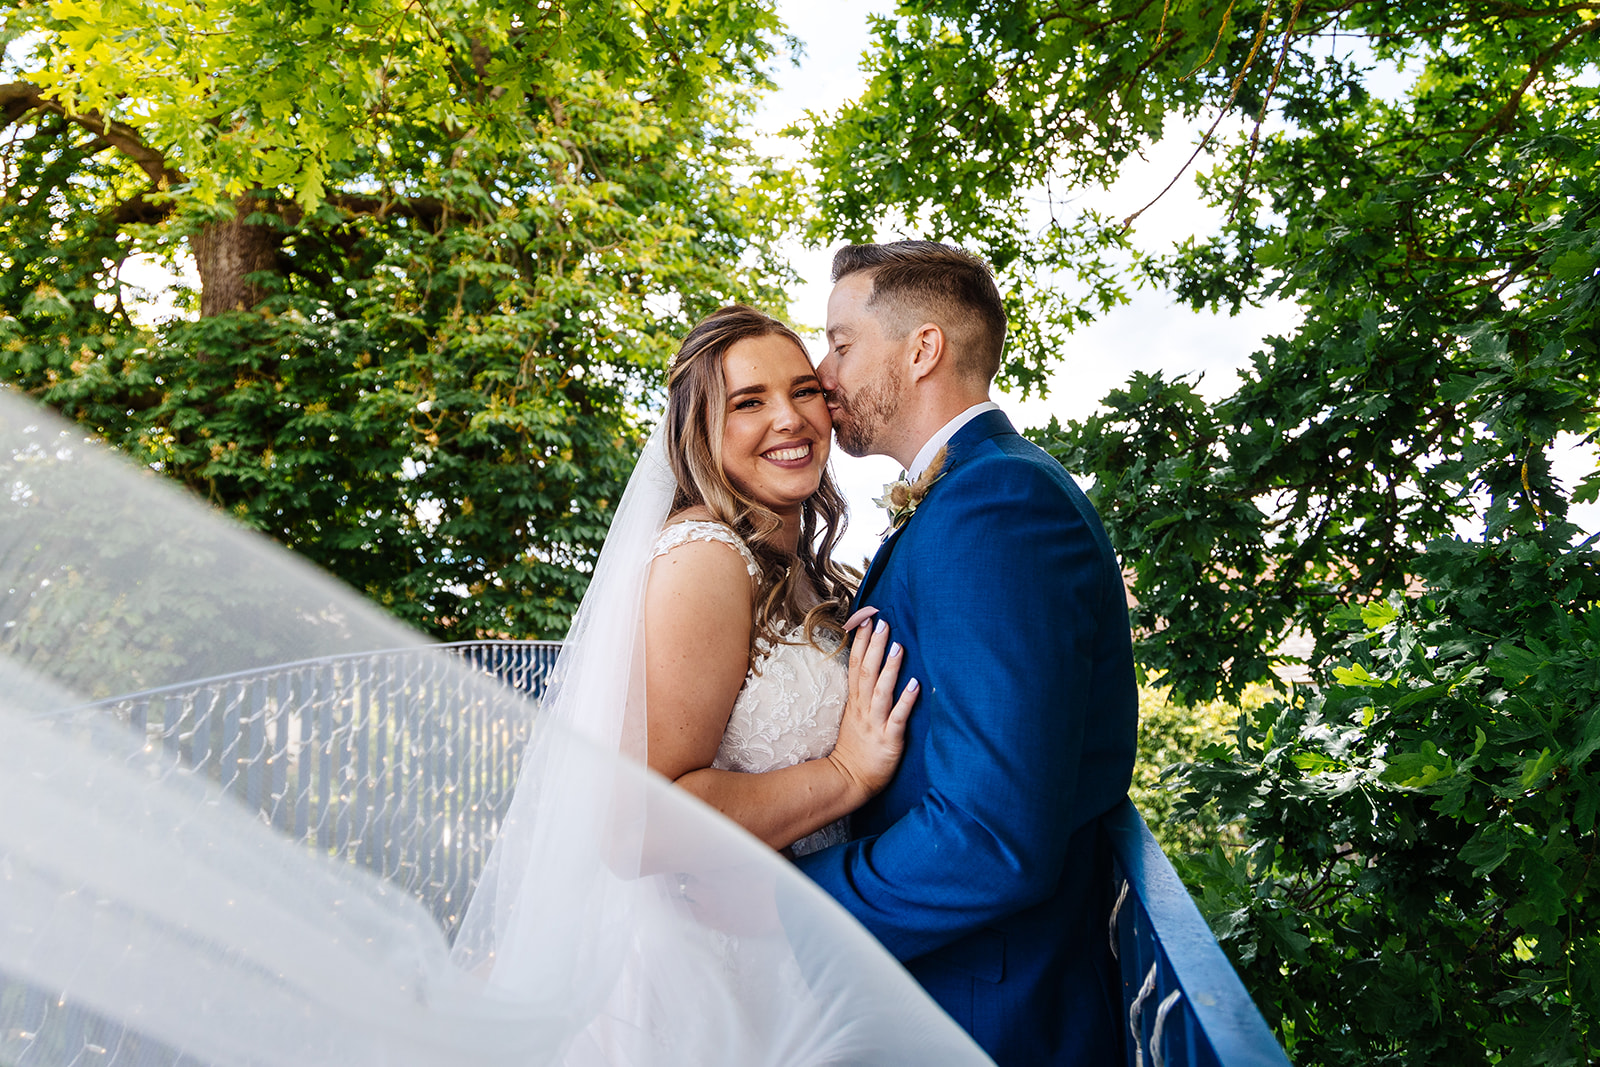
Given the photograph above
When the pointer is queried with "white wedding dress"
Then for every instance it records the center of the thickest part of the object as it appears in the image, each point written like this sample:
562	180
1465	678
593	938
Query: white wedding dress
793	697
146	917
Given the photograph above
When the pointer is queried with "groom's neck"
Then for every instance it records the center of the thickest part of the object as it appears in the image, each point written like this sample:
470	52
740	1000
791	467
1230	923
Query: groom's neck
923	416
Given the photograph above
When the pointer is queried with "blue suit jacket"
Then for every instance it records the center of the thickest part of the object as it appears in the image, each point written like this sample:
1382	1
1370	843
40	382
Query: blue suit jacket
983	866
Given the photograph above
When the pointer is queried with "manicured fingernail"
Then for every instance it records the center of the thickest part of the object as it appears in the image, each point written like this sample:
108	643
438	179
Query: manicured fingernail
882	626
913	684
860	618
894	649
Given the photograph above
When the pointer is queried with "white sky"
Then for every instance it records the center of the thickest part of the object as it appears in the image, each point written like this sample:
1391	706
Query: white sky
1149	333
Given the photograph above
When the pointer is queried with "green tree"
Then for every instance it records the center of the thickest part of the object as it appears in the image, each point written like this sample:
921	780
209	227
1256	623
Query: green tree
1417	882
443	252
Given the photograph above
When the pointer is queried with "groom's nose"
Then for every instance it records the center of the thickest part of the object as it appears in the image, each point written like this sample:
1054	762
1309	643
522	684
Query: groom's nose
825	374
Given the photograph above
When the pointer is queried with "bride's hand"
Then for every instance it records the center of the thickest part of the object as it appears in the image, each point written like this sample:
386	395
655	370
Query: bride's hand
873	730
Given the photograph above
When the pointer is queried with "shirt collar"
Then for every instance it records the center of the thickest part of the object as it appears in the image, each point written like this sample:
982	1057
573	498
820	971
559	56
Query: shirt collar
942	438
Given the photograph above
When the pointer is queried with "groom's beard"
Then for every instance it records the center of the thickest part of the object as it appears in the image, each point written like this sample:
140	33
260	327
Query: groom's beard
862	416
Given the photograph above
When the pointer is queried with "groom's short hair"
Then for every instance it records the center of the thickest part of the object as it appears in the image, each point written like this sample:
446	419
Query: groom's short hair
932	282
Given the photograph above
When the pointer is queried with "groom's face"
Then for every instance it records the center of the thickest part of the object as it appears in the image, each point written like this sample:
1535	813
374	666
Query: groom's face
864	370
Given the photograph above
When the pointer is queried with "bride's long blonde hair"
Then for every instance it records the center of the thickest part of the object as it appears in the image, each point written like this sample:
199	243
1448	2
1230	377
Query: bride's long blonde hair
697	400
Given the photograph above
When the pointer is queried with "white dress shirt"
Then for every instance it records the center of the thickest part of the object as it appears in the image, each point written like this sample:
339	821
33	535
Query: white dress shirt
942	438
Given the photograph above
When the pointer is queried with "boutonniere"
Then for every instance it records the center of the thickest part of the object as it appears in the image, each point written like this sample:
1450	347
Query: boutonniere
901	496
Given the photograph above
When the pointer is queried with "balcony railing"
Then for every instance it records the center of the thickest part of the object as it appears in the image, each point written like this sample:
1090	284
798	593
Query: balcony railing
330	754
415	789
1184	1002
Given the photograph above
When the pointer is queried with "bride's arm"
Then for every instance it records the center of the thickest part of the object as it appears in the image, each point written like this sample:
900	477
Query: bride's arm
698	619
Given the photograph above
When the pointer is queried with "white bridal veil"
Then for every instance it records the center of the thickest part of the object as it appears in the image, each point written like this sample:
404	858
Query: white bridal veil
239	810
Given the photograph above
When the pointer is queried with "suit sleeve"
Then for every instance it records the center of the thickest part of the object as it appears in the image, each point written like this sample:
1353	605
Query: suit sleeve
1005	617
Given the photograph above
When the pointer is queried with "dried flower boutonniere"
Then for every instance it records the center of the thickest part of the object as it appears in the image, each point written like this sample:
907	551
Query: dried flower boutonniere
901	496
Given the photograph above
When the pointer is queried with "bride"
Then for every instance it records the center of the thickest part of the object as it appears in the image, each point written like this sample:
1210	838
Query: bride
717	586
744	606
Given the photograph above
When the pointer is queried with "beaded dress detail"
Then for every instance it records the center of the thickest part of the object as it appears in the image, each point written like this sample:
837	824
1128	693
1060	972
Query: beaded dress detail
788	709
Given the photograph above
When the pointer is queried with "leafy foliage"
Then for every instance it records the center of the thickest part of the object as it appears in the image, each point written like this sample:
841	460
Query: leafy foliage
1172	735
444	253
1420	880
1418	830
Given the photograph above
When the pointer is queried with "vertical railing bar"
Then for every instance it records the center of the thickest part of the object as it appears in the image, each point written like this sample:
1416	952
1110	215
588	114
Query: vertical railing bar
306	754
167	730
401	779
326	692
228	752
1158	1056
426	832
361	739
343	719
207	733
139	718
256	744
465	763
278	780
385	782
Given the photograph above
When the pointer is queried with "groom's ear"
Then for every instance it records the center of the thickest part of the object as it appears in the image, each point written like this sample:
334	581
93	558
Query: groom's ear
926	349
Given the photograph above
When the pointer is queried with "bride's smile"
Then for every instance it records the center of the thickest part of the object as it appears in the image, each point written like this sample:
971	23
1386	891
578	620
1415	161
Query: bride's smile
775	434
791	456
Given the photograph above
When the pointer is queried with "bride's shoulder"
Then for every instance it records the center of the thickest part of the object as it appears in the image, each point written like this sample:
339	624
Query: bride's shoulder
695	526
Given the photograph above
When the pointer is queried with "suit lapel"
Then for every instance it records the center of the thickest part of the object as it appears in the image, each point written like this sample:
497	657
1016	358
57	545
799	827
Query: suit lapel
989	424
879	558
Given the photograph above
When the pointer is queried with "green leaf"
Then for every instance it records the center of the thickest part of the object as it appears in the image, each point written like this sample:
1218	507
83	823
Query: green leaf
1535	769
1418	770
1574	264
1357	675
1378	614
1489	847
1588	738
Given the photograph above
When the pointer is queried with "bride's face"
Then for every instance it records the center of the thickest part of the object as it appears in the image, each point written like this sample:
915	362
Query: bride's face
775	426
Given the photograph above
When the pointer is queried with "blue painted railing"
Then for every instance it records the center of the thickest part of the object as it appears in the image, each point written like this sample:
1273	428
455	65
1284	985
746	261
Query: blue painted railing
1184	1002
415	789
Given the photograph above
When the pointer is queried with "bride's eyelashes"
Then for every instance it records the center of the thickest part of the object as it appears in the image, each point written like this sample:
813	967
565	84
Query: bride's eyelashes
807	393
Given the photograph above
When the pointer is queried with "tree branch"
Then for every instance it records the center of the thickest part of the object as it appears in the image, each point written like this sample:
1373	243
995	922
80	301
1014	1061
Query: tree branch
1233	93
19	98
1266	100
1506	115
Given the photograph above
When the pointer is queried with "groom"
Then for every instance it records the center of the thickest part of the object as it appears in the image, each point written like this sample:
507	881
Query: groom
983	867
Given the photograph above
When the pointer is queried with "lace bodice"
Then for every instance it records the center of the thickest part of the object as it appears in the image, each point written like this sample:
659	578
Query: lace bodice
788	709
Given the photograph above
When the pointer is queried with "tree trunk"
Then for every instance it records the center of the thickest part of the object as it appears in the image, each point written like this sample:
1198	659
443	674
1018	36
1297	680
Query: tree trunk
227	252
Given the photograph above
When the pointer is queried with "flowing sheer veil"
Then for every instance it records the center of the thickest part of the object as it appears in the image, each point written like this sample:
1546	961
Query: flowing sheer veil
180	883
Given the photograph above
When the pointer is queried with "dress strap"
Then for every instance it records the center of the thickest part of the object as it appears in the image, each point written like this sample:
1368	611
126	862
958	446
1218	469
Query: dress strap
682	533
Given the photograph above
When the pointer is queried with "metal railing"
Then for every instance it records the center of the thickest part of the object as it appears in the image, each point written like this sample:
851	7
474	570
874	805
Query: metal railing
384	758
1184	1001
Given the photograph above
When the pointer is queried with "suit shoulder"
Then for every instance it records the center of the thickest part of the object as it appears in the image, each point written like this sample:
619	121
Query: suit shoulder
1008	473
1012	461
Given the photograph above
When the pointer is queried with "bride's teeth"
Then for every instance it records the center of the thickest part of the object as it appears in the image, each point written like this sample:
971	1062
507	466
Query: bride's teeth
798	452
